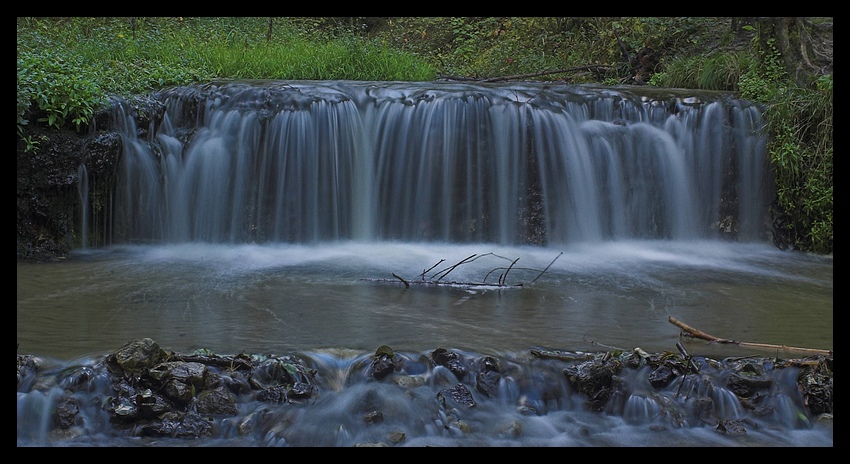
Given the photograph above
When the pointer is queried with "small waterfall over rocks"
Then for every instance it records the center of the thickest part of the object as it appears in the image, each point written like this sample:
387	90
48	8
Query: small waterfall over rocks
529	163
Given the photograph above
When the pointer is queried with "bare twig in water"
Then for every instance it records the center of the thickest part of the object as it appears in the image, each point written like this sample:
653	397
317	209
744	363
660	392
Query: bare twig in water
422	276
406	283
437	277
503	268
504	276
547	267
446	271
692	332
592	342
687	357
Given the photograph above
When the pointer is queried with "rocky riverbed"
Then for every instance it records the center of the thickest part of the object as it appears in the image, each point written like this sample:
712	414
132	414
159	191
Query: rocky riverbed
142	394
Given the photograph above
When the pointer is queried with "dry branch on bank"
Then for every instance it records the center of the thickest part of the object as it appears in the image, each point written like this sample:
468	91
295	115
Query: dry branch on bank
692	332
600	70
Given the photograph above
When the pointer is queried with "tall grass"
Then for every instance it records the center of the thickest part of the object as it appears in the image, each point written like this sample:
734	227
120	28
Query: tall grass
718	71
67	65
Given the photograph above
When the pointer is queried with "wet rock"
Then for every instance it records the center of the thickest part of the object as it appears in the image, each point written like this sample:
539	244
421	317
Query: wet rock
178	425
703	409
219	401
130	404
136	356
594	379
487	381
450	360
731	427
180	381
279	371
815	382
747	379
373	417
276	394
661	376
27	366
301	391
459	393
67	409
382	363
396	437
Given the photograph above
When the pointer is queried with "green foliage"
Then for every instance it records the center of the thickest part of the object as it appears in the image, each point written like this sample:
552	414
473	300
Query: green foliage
765	78
57	89
799	121
716	71
30	144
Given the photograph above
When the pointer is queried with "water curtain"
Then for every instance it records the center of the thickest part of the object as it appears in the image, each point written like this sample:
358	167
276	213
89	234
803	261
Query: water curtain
306	162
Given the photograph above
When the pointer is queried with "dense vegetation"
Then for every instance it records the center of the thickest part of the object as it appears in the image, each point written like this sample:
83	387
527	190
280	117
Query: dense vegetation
68	67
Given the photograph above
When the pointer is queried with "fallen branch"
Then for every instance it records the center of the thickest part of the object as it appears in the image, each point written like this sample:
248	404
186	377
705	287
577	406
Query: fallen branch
446	272
598	69
690	331
437	278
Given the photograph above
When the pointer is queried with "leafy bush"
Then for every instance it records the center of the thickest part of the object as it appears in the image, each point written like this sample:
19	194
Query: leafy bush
60	93
799	122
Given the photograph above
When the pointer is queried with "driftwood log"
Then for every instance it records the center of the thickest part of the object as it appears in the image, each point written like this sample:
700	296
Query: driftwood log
692	332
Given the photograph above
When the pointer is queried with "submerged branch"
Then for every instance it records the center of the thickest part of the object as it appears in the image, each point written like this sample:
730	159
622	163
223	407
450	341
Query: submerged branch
437	277
406	283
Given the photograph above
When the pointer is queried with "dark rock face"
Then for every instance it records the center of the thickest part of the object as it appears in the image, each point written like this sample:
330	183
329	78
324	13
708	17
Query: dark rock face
48	197
46	192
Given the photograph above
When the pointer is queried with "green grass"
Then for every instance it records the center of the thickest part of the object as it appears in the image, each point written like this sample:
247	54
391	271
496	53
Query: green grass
68	66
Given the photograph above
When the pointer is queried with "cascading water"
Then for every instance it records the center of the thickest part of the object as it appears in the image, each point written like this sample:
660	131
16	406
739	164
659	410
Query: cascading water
523	164
257	217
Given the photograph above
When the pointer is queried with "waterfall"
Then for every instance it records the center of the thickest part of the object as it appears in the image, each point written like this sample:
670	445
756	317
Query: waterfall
308	162
83	191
